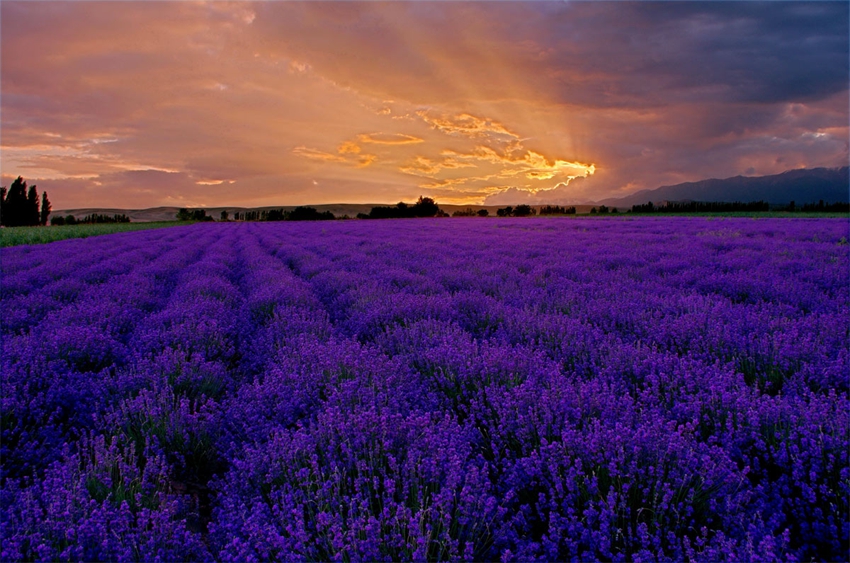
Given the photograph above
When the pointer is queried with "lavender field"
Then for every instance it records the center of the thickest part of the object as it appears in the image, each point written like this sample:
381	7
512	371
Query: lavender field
517	389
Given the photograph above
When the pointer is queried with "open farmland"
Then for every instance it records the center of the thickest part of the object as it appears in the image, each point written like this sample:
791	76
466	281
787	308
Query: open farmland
517	389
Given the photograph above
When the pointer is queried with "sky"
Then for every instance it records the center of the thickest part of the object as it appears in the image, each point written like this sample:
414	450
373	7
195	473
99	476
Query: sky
177	103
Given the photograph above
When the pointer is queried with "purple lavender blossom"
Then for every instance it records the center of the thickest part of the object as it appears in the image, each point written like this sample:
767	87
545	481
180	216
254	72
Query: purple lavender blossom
523	389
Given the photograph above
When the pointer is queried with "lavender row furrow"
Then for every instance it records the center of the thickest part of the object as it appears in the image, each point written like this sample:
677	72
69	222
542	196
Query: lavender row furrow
89	376
521	389
50	288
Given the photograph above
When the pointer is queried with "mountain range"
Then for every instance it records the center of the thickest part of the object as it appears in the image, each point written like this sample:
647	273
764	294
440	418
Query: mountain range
805	185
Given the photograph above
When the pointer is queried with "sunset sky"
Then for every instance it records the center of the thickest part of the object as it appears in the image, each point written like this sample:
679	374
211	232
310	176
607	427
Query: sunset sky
141	104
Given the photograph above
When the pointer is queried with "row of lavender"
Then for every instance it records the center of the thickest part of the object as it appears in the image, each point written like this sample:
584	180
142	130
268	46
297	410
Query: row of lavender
516	389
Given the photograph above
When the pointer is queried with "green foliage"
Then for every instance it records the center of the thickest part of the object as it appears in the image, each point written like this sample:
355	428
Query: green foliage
39	235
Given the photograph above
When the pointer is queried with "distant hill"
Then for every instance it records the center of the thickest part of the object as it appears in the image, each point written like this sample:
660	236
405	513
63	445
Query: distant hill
170	213
802	186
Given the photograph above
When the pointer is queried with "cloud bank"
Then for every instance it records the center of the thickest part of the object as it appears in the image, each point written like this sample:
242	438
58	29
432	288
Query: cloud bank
135	104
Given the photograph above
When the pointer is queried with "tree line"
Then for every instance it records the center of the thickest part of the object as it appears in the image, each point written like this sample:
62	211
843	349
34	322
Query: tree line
557	210
94	218
603	210
424	207
521	210
819	207
193	215
297	214
726	207
19	206
469	212
701	207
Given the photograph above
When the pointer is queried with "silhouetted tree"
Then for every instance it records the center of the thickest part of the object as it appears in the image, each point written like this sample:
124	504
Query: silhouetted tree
647	207
20	207
557	210
524	210
95	218
483	213
593	211
45	208
275	215
224	215
33	215
309	214
14	203
193	215
505	211
424	207
67	220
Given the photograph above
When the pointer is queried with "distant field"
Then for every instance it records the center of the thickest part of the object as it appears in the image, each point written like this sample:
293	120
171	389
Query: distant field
14	236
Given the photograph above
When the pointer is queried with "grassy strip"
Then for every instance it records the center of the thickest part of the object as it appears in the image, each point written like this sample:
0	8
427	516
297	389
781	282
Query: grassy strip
14	236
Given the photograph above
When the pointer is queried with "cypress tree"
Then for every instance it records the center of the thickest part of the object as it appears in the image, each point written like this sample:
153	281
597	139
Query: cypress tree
45	208
32	216
14	212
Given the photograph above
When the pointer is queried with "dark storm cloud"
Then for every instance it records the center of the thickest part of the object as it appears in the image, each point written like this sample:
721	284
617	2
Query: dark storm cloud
655	53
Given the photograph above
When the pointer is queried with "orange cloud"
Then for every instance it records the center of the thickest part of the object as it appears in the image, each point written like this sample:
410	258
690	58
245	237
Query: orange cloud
514	163
315	154
349	154
389	139
466	125
423	166
348	147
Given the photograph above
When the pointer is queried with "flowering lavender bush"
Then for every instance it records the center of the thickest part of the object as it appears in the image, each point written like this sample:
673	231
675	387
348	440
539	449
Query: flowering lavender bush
519	389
